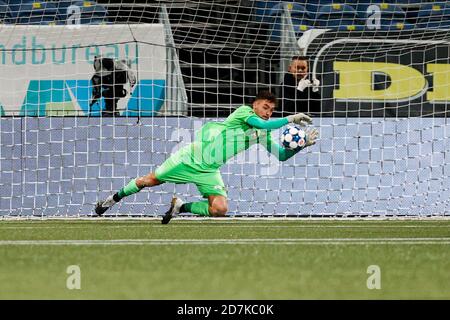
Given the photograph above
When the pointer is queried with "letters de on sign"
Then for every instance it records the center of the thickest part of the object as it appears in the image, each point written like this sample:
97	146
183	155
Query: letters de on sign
356	82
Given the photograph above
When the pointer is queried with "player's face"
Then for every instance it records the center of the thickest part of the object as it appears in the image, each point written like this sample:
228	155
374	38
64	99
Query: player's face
299	68
263	108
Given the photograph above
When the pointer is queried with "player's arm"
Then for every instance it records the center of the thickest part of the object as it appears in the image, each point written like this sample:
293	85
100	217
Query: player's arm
284	154
278	151
258	123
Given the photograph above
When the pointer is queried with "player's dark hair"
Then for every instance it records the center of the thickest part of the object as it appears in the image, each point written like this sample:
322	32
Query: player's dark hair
299	58
266	95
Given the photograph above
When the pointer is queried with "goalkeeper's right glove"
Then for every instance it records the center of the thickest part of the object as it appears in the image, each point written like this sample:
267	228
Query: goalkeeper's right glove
299	118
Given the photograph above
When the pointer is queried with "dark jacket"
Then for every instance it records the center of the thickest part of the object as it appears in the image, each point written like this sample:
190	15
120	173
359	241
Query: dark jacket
294	101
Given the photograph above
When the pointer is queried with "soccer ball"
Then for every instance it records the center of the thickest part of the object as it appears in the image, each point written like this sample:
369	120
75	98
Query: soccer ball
293	138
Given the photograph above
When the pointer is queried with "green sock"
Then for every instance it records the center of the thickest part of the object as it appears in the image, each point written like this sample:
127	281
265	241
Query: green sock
129	189
199	208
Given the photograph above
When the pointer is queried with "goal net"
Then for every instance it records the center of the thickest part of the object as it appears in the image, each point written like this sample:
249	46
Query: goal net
94	94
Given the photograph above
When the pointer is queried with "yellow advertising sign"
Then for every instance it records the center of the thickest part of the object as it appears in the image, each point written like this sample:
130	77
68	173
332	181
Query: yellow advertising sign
441	82
356	82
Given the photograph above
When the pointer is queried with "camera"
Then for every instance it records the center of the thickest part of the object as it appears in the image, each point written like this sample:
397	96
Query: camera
111	75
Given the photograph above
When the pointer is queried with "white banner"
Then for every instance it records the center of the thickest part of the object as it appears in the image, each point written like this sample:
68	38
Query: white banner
48	68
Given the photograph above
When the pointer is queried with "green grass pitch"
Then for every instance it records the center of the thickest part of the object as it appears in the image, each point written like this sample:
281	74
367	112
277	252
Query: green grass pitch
225	259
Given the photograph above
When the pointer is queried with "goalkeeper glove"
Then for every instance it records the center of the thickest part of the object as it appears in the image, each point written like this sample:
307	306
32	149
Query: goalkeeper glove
299	118
312	135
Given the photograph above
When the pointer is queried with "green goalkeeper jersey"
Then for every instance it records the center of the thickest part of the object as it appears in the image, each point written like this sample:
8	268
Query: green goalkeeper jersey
216	142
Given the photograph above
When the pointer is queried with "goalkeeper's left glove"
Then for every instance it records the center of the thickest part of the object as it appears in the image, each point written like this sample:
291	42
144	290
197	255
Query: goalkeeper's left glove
299	118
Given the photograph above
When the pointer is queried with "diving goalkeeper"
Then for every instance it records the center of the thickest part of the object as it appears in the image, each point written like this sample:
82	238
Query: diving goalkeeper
216	142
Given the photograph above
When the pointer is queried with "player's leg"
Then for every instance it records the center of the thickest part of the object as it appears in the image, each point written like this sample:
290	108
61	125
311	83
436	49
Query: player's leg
218	206
211	186
132	187
169	171
215	206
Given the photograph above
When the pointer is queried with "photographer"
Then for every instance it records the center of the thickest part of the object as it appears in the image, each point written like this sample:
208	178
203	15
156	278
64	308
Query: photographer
298	93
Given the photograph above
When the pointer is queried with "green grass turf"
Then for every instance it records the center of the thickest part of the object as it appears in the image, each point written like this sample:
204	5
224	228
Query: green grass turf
269	270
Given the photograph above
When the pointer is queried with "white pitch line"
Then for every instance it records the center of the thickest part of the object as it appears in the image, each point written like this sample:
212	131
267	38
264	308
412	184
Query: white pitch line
231	219
218	226
299	241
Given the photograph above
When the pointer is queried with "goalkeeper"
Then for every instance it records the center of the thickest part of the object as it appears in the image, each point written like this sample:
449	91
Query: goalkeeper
216	142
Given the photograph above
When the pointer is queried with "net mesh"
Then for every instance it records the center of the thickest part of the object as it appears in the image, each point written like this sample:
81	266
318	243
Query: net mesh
94	94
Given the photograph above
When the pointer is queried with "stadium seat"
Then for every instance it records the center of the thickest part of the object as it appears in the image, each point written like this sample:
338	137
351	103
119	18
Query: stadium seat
15	5
388	10
408	2
338	16
33	13
263	9
295	9
62	8
300	19
90	12
4	12
302	25
396	2
395	25
350	27
312	6
393	17
434	16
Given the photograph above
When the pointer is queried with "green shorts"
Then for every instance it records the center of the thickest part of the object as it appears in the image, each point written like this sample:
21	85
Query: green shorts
175	171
